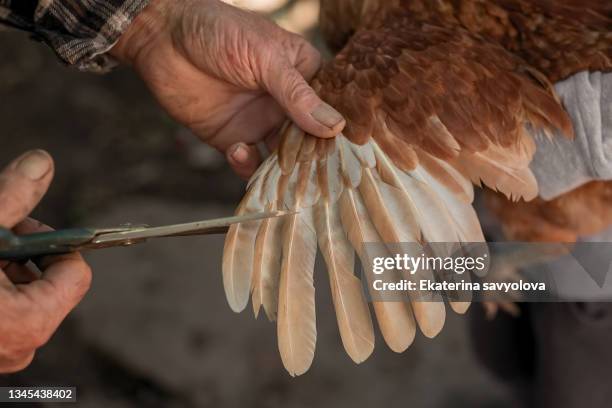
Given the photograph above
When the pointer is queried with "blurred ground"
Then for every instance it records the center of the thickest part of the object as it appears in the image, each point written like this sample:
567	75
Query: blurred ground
155	331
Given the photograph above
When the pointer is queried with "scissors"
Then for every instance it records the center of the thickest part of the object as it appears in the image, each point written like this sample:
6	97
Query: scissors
23	247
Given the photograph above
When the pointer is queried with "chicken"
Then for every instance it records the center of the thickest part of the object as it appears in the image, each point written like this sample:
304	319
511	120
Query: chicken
584	211
437	95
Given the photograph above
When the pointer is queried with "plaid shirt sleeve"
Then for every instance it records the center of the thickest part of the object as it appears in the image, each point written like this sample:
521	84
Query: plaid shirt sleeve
79	31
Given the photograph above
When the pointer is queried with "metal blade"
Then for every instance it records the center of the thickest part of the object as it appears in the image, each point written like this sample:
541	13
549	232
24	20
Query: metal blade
206	227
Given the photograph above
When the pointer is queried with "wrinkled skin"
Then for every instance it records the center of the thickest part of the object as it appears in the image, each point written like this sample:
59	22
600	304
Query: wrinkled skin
33	302
229	75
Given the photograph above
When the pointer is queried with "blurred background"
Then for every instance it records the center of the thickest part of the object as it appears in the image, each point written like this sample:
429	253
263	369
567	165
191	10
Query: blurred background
155	329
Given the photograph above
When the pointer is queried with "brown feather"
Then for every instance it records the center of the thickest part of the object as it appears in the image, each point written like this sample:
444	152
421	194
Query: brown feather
384	208
395	319
238	253
352	310
296	326
267	266
291	142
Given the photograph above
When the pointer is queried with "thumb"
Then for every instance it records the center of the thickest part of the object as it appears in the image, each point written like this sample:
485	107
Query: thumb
22	185
287	85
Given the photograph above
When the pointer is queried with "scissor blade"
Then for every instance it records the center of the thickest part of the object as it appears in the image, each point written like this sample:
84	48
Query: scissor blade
214	226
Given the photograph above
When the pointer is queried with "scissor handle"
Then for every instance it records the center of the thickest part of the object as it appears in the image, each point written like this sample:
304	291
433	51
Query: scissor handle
23	247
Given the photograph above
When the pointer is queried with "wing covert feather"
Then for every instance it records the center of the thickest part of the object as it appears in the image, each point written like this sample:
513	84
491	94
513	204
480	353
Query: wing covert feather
419	87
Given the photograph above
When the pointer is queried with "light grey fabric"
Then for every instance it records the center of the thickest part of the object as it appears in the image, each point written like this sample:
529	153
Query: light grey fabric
561	165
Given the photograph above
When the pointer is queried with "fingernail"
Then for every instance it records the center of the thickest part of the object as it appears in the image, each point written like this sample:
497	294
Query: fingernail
34	165
240	154
326	115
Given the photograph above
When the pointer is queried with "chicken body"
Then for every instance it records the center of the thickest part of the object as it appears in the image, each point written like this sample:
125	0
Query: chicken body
437	95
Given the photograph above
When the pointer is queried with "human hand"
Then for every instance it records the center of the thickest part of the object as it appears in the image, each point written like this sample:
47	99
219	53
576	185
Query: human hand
33	304
228	74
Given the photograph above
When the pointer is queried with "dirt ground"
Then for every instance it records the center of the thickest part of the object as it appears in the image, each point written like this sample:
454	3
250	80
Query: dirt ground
155	330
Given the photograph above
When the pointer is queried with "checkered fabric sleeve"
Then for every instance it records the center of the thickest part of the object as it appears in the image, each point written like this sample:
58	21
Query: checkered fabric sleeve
79	31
